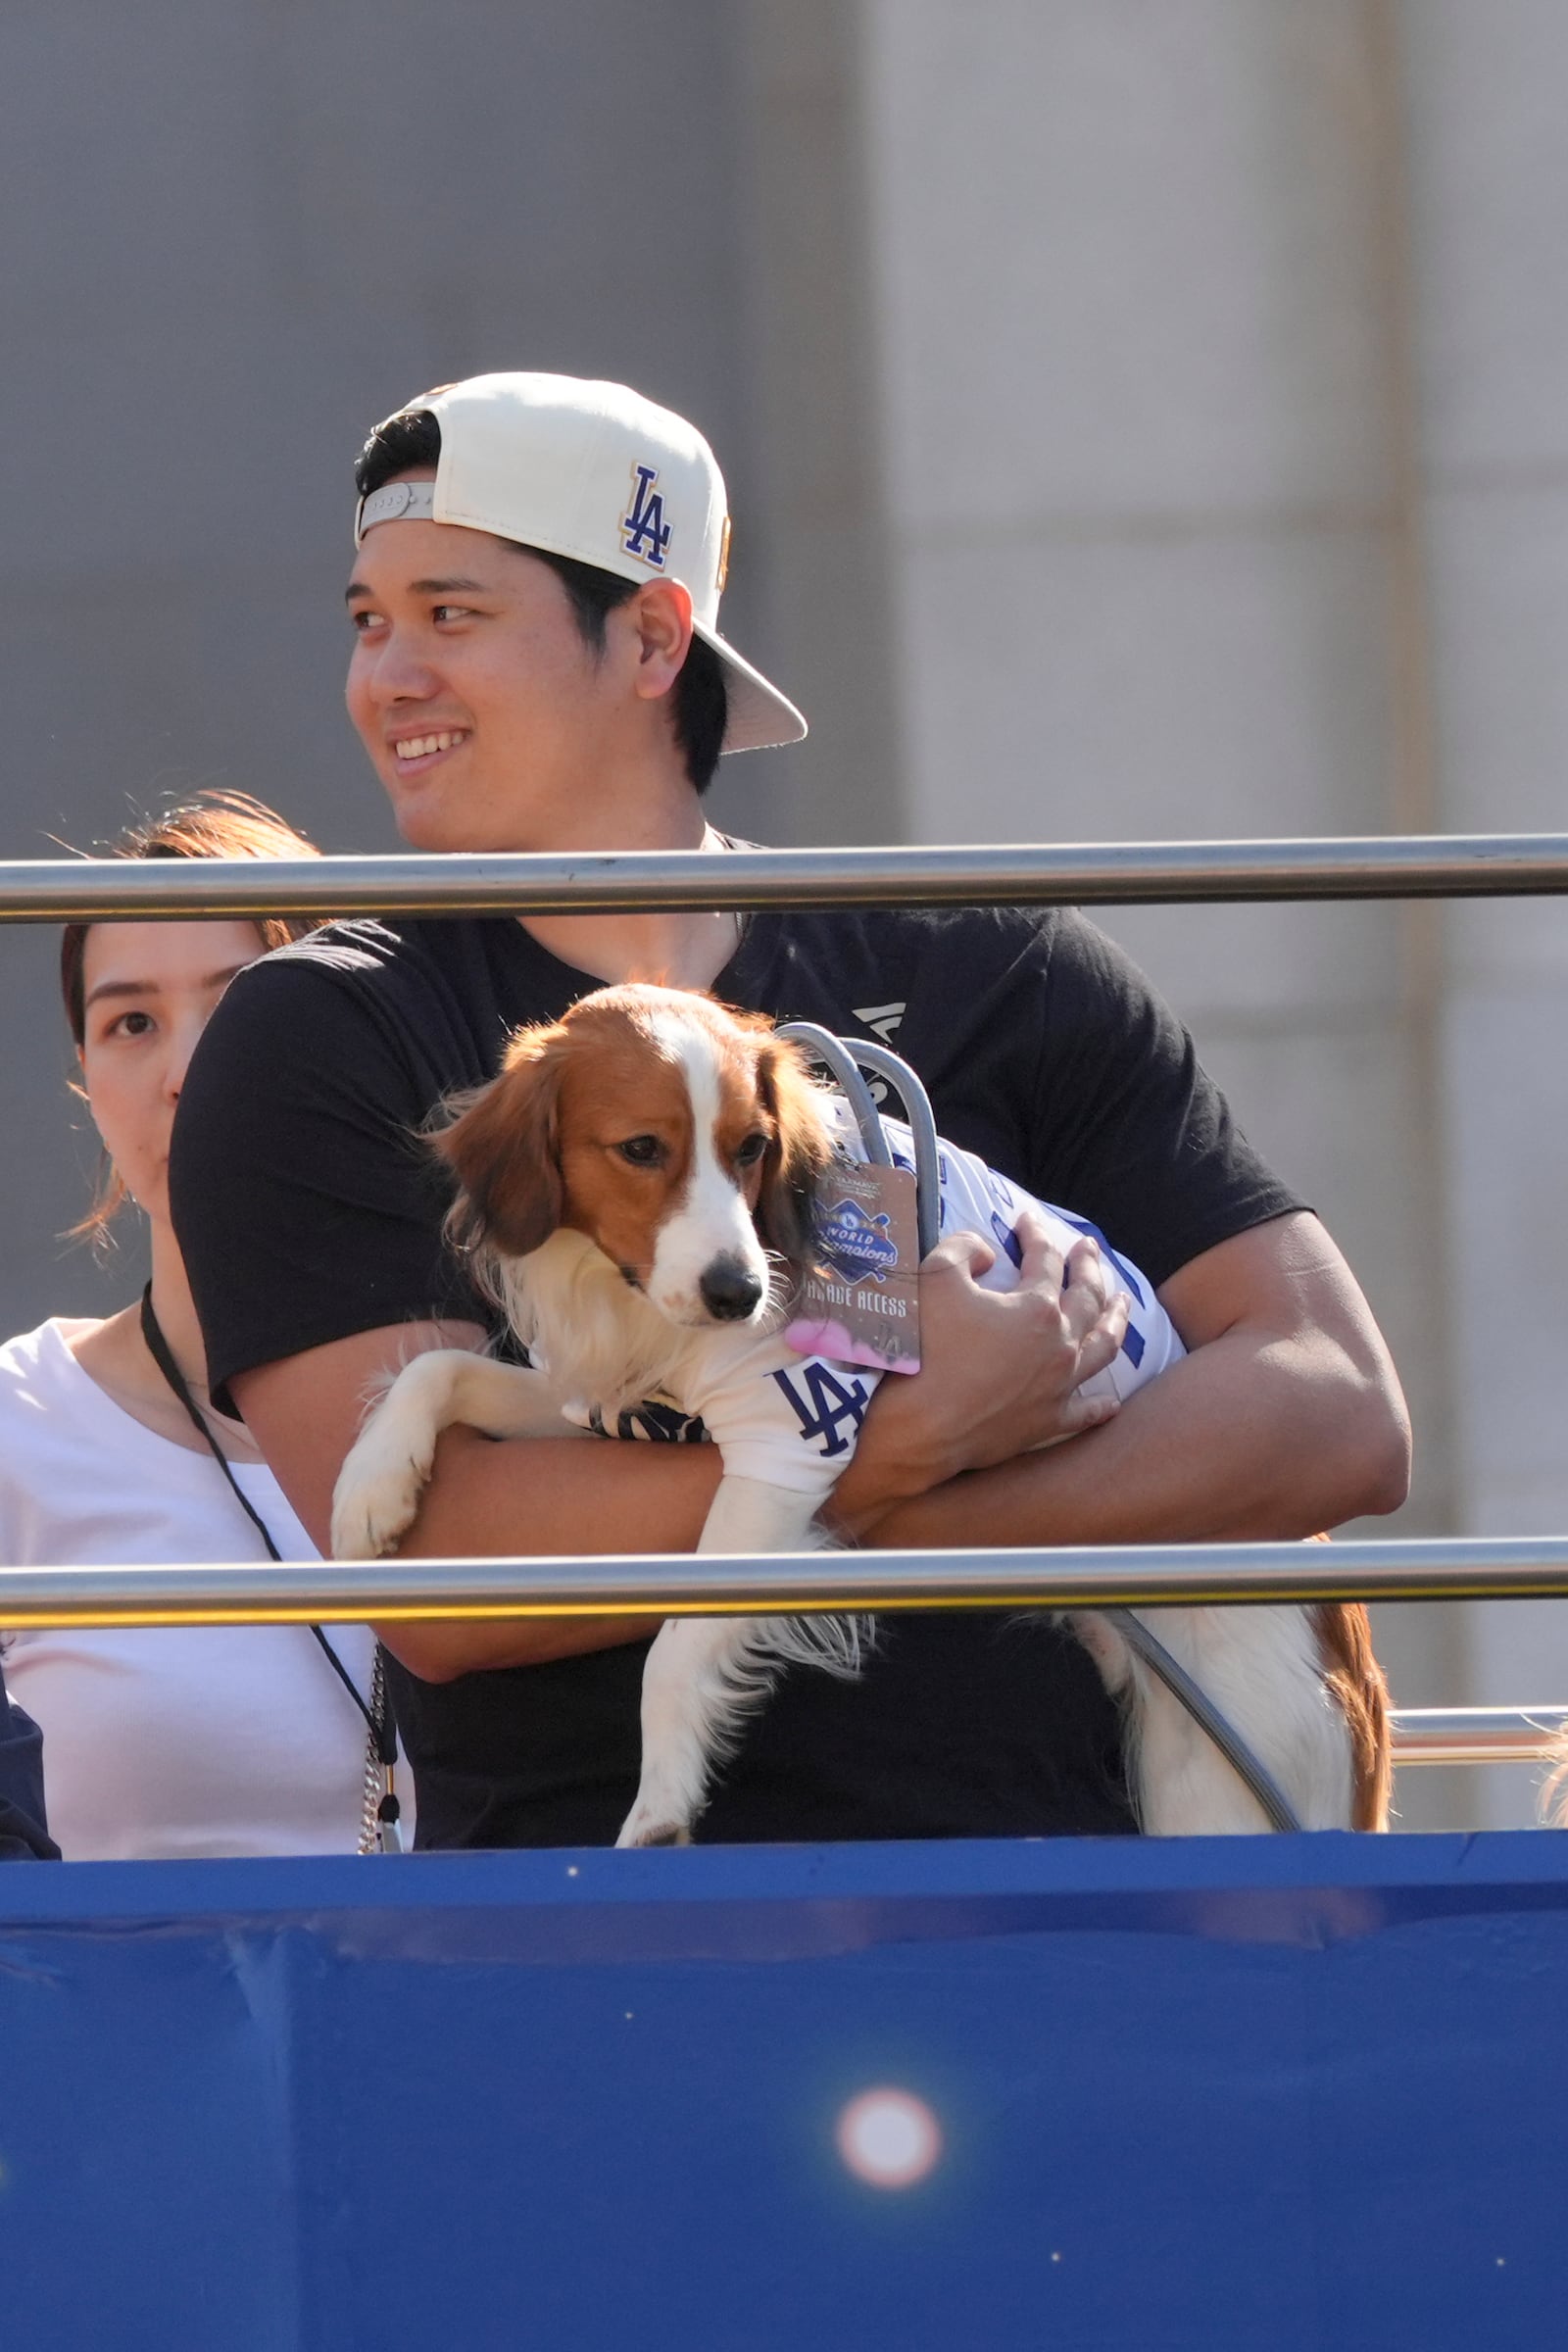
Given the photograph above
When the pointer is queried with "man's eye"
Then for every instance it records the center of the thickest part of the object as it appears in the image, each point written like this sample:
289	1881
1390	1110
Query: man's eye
643	1150
453	612
751	1152
132	1024
359	622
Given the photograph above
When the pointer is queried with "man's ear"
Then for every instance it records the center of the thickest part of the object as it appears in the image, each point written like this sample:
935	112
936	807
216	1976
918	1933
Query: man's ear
661	619
504	1148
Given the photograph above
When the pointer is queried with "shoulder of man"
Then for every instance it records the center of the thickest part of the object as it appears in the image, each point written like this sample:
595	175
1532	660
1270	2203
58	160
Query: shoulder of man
909	968
368	951
427	991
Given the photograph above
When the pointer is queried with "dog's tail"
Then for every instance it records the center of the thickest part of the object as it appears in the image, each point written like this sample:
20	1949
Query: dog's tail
1360	1691
1554	1789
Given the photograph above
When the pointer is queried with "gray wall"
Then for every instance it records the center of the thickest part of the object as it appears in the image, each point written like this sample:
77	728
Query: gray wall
1223	376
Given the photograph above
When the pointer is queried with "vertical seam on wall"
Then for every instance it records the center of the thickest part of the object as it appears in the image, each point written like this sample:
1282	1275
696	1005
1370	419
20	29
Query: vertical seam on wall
1413	774
815	363
856	47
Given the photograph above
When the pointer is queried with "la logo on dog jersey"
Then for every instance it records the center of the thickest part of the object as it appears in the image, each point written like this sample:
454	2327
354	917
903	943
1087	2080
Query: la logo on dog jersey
645	533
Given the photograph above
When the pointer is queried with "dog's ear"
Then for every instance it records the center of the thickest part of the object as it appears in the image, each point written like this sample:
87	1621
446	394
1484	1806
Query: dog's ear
504	1149
793	1164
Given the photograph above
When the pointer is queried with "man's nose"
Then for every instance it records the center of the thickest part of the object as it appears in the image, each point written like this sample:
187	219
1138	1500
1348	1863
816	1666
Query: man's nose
399	674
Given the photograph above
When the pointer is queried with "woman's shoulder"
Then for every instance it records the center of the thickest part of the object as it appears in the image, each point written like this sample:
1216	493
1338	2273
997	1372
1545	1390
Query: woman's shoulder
48	1436
49	1401
55	1419
44	1358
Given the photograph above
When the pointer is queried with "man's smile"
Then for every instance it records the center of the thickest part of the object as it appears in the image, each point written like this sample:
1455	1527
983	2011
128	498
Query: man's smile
417	751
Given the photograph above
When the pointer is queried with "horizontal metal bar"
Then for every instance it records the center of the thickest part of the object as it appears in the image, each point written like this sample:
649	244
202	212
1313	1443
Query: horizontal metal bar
1139	1576
1085	874
1476	1735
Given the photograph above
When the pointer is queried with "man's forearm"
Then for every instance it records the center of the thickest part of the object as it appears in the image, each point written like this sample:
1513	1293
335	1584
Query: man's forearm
485	1500
549	1498
1234	1442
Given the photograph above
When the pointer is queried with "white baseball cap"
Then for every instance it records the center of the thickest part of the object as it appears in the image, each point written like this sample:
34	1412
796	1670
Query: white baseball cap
594	471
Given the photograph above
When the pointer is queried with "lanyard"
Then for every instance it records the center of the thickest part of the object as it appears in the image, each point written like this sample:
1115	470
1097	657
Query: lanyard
377	1713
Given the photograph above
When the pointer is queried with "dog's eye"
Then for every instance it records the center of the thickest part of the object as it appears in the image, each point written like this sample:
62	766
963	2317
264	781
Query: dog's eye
751	1152
643	1150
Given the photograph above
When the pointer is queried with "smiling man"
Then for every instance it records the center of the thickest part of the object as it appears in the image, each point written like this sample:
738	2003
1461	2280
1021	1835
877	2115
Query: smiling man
537	667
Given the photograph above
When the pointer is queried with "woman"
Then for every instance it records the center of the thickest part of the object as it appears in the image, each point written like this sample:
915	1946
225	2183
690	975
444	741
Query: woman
245	1739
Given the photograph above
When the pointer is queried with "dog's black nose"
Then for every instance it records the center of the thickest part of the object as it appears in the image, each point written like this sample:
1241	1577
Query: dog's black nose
731	1291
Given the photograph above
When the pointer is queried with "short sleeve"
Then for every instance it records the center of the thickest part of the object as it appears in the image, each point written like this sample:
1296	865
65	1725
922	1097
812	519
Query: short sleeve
306	1204
1128	1129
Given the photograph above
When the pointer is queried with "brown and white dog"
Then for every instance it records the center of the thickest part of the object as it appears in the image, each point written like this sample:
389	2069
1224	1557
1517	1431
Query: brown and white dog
636	1190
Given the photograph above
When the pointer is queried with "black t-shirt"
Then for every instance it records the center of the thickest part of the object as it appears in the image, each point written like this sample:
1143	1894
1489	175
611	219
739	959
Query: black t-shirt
308	1211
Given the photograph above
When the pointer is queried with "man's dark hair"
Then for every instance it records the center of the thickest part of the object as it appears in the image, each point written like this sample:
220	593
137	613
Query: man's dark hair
701	700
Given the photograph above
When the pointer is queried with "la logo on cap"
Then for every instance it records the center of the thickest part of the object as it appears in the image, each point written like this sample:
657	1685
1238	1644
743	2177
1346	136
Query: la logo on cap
645	533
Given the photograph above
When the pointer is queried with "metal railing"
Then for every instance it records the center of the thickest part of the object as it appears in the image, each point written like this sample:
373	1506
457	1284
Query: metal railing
1478	1734
1082	873
799	1583
62	890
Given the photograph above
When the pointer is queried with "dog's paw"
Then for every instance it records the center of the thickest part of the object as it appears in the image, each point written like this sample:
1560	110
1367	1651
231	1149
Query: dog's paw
377	1495
651	1825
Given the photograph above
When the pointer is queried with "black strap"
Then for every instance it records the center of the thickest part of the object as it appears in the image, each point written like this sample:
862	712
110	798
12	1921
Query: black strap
381	1728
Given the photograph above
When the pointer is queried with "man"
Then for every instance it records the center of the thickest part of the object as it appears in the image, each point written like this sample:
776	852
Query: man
537	667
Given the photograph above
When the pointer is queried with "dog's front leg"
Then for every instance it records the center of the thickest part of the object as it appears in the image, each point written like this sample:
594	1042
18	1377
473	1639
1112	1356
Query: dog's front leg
388	1467
705	1675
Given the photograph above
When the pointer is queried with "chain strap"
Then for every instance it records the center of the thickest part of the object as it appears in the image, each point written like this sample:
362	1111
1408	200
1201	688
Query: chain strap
379	1832
374	1786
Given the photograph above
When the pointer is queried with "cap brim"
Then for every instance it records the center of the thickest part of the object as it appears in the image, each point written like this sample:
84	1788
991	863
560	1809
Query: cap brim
760	716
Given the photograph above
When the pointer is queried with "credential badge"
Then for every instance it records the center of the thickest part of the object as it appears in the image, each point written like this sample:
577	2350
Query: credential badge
645	533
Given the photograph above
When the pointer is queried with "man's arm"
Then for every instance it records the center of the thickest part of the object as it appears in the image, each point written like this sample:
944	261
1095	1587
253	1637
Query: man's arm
1004	1370
1285	1418
534	1495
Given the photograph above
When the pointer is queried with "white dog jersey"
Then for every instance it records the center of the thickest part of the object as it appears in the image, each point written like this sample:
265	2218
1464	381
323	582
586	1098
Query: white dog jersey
793	1420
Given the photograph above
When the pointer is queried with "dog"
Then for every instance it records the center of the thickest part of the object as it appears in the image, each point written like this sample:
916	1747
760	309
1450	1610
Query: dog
637	1190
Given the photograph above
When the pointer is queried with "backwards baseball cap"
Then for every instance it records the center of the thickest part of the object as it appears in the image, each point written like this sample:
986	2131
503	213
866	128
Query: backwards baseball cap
594	471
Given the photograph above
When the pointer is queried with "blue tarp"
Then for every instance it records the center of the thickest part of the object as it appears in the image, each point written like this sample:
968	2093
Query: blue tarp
1263	2093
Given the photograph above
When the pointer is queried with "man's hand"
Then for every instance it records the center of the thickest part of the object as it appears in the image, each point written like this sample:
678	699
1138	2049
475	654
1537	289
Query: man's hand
1284	1417
1000	1373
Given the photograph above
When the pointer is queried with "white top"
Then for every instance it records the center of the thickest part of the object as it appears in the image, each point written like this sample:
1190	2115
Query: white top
215	1739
